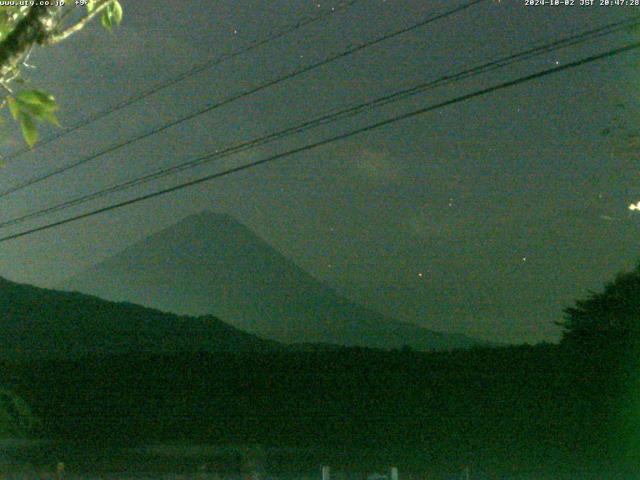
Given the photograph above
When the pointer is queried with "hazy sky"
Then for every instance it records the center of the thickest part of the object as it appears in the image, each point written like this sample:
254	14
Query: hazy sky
486	217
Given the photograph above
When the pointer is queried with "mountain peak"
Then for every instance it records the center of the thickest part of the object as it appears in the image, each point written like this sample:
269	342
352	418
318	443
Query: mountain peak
205	227
209	216
209	263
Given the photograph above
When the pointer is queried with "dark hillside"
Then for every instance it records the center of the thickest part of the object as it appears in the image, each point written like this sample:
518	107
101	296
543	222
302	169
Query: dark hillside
39	323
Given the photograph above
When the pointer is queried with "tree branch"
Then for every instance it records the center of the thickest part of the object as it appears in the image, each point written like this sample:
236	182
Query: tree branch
58	37
33	29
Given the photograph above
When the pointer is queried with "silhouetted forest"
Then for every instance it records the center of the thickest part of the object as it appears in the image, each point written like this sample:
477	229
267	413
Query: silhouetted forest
507	408
510	409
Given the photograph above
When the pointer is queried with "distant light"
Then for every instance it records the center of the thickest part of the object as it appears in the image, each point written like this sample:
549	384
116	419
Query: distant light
420	274
524	259
634	206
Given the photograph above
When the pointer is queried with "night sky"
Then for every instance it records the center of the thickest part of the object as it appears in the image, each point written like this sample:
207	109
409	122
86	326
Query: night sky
486	217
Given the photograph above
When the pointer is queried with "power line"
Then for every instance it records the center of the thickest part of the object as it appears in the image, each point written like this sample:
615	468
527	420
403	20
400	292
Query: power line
370	127
271	83
332	117
183	76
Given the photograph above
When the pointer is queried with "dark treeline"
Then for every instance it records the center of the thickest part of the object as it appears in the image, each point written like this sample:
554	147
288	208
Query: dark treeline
511	408
574	406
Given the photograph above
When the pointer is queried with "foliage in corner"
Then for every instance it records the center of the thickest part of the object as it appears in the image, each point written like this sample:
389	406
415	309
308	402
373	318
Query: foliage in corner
112	15
31	106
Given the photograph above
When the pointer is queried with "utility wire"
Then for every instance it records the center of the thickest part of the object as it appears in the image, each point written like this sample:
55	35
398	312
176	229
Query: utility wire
367	128
332	117
181	77
245	93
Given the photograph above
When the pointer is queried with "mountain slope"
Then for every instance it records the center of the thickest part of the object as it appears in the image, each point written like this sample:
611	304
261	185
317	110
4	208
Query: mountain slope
211	264
35	322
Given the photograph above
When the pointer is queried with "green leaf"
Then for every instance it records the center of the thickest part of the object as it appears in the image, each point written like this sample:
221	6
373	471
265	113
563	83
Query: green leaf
117	12
5	25
31	105
106	19
29	130
51	118
36	103
9	18
38	98
112	15
36	111
13	108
